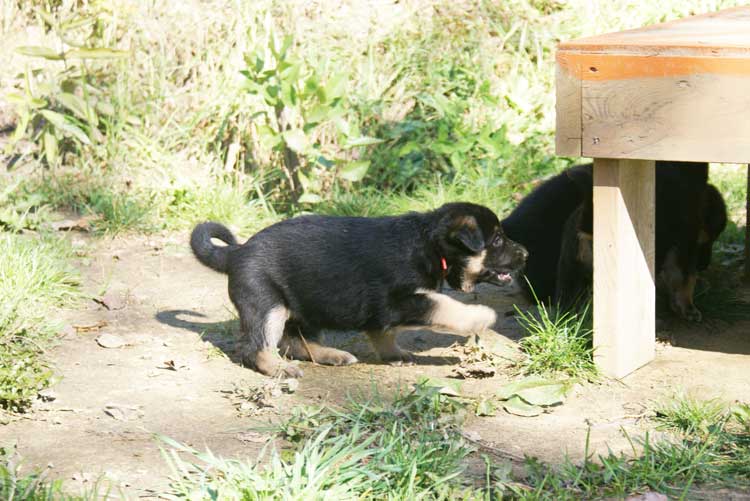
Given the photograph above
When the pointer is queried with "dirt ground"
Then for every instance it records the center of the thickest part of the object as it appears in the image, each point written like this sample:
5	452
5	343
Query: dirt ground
176	370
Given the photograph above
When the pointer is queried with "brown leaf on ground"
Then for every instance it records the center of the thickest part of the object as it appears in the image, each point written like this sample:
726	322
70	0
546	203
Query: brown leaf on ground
82	223
110	341
123	412
90	327
648	496
112	300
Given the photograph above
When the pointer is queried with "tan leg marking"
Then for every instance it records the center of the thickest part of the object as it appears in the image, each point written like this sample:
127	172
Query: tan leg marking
384	343
458	316
294	347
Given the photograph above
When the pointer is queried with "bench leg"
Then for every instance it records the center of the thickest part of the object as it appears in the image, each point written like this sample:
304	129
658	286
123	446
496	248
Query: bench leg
747	227
624	294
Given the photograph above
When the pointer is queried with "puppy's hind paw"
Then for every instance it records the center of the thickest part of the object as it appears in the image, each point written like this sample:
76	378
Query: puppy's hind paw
331	356
692	314
290	371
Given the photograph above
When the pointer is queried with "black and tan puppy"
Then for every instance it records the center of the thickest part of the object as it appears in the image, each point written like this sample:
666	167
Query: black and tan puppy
538	222
690	215
300	276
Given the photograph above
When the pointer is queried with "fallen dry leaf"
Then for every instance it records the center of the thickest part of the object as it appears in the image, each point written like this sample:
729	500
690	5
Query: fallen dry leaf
79	224
112	301
253	437
123	412
91	327
649	496
171	365
110	341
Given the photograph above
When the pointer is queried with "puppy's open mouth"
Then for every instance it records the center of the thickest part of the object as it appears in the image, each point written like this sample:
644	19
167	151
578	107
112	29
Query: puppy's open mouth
504	278
497	277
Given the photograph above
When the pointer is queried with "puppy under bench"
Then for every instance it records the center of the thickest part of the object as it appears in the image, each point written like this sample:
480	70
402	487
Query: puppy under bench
672	91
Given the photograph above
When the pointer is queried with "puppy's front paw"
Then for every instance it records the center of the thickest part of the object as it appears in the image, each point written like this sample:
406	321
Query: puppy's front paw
687	310
480	318
398	357
269	363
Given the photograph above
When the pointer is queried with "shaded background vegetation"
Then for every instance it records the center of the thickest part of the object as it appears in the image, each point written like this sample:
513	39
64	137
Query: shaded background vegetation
159	114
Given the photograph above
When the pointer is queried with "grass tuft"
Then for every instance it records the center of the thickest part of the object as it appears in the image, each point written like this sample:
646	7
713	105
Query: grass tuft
407	448
16	486
557	342
35	279
689	415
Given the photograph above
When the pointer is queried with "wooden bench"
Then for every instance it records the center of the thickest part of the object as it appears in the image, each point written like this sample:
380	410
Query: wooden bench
672	91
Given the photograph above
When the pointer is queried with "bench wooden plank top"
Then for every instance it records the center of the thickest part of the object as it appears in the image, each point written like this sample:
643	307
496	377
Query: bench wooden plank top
673	91
720	34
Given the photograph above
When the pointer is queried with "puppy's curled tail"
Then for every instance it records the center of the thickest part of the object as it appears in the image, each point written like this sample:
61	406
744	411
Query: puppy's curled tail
207	252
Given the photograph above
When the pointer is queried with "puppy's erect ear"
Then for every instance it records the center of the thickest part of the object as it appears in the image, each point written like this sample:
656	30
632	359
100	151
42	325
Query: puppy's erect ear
466	231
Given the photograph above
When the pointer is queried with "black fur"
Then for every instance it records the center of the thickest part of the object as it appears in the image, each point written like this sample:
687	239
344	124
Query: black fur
690	215
349	273
207	253
538	222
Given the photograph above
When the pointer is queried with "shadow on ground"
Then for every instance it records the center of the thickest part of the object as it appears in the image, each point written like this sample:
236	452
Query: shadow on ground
222	336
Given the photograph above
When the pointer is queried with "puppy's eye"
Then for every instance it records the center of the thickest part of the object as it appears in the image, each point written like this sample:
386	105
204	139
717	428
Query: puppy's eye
498	241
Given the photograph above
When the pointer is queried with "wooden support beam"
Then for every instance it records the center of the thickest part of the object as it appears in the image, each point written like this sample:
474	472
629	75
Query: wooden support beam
747	226
624	293
567	109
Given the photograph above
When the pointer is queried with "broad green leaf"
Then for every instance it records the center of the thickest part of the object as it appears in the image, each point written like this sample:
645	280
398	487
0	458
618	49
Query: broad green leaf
485	407
511	389
37	102
96	53
79	107
65	125
551	394
291	73
536	391
15	98
355	171
343	126
310	198
318	113
50	148
271	94
408	148
296	140
288	95
303	180
279	50
442	148
39	51
362	141
23	124
518	407
335	87
47	17
267	136
105	108
321	160
444	386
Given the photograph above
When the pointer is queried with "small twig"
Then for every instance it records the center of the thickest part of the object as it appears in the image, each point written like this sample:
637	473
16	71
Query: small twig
307	348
